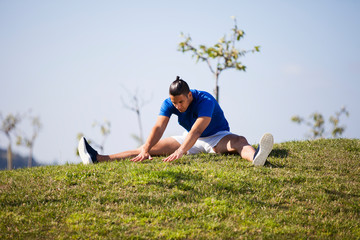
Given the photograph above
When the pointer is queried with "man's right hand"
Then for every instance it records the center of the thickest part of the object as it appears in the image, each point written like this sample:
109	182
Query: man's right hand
141	157
154	137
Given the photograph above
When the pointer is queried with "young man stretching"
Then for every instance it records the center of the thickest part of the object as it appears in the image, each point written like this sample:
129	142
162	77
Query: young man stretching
208	131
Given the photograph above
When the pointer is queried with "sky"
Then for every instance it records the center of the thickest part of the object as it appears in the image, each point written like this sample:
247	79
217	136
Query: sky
72	63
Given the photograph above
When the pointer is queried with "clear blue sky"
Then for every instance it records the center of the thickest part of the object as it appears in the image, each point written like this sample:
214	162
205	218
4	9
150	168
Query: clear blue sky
69	62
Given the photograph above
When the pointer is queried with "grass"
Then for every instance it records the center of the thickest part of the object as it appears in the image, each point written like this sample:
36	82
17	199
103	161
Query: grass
309	189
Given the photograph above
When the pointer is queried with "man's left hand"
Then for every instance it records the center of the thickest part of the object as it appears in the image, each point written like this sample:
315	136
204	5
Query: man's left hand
176	155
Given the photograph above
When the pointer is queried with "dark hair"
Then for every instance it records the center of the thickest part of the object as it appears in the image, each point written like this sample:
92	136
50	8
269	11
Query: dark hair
179	87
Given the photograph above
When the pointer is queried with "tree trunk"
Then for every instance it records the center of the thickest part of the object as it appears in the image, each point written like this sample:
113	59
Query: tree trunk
216	90
9	158
140	126
30	158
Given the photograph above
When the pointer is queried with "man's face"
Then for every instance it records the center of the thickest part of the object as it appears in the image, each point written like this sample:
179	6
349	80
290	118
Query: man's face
181	102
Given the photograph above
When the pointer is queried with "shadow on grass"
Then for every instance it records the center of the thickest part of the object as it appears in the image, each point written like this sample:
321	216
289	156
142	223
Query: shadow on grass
273	165
277	153
206	157
175	179
340	194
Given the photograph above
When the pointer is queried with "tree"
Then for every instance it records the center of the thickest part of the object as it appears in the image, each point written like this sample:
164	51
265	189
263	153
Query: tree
105	132
30	141
317	124
337	130
8	126
135	104
224	54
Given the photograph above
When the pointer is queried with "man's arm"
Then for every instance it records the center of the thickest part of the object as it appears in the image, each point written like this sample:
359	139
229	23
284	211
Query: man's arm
197	129
154	137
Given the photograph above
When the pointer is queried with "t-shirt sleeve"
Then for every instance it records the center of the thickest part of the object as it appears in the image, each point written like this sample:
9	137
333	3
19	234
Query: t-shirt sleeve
206	108
166	108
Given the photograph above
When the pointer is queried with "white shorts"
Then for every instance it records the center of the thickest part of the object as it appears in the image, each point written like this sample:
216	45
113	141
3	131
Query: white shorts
203	144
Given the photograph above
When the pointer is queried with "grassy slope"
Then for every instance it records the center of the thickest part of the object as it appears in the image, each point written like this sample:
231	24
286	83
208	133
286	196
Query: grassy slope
310	189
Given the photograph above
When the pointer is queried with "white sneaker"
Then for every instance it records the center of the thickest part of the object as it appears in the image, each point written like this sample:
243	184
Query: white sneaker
264	149
86	152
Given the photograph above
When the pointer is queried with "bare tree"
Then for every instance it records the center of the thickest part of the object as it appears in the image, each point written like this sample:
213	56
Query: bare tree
8	127
29	142
135	103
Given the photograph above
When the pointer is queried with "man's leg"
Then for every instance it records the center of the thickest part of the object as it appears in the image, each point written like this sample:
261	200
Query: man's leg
165	146
235	144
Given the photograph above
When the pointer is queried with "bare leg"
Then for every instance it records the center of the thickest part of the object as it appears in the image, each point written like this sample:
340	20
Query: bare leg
235	144
164	147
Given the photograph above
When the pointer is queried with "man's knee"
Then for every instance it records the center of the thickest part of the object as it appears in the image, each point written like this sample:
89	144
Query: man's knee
242	140
231	143
238	142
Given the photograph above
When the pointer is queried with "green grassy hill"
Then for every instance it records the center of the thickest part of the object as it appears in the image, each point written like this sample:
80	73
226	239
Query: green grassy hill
309	189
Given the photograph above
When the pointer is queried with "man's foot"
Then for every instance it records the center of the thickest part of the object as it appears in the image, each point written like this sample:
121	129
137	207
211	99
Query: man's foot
86	152
264	149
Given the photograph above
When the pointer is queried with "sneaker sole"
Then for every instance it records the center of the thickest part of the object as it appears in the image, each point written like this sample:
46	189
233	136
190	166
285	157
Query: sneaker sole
266	145
84	155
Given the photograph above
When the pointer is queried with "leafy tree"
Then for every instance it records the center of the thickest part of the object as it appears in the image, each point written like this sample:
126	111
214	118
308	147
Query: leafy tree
105	132
317	123
224	54
8	126
30	141
337	130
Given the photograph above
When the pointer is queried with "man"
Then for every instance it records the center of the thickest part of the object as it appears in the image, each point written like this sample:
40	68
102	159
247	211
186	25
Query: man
207	131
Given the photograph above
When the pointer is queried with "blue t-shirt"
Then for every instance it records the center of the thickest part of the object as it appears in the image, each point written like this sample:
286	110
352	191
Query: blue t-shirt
203	105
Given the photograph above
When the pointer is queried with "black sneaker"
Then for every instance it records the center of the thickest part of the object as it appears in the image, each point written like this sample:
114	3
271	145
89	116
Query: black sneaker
86	152
264	149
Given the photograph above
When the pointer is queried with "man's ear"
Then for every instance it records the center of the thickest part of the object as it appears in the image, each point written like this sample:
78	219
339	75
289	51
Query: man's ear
190	95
